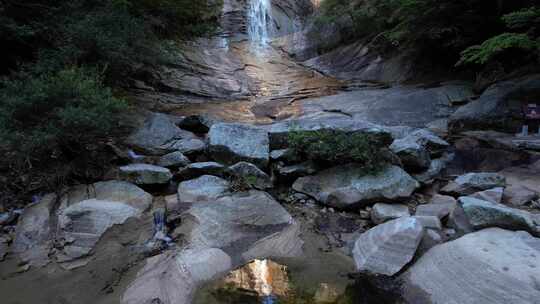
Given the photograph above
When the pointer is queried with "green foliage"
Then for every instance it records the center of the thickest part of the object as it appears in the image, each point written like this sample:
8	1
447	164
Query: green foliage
487	51
522	19
336	147
41	115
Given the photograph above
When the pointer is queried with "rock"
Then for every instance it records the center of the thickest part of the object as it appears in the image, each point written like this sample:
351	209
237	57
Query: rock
443	199
189	146
430	239
473	182
33	233
279	132
8	218
285	155
382	212
198	169
196	123
299	170
498	108
82	225
157	132
206	188
4	247
483	214
518	195
347	186
459	222
144	174
435	168
414	156
242	224
415	150
174	278
251	175
231	143
492	266
440	211
174	159
387	248
491	195
429	222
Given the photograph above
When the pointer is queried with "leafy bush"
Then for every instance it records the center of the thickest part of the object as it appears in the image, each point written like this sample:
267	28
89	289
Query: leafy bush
42	115
522	19
336	147
481	54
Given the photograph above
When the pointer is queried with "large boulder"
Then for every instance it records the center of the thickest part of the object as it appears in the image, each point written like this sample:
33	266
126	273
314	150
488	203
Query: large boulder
348	186
144	174
206	188
82	225
492	266
499	107
173	277
239	223
523	183
174	159
189	146
198	169
473	182
494	195
483	214
387	248
231	143
156	134
279	132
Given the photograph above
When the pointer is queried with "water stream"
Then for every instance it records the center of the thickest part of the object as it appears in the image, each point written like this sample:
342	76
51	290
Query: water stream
259	17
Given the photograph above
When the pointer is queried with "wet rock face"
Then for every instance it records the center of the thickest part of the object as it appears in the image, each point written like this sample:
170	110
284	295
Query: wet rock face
499	107
231	143
485	267
387	248
483	214
348	186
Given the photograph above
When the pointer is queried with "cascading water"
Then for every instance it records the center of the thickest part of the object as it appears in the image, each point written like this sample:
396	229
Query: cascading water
259	13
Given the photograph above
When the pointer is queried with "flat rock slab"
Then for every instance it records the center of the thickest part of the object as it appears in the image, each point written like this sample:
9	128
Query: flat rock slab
494	195
144	174
232	143
387	248
492	266
172	278
348	186
206	188
198	169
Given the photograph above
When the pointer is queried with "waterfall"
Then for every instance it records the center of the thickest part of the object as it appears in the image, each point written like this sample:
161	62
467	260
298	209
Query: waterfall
259	12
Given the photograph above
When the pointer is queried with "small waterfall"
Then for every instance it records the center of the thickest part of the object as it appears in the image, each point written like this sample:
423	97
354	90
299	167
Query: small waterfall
259	13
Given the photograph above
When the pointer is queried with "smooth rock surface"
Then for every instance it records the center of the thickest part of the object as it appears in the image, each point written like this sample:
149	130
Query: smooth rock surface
144	174
231	143
473	182
347	186
172	278
492	266
484	214
382	212
157	132
189	146
198	169
206	188
387	248
494	195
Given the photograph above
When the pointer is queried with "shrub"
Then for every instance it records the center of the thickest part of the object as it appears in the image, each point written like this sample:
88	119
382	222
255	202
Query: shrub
487	51
336	147
522	19
42	115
